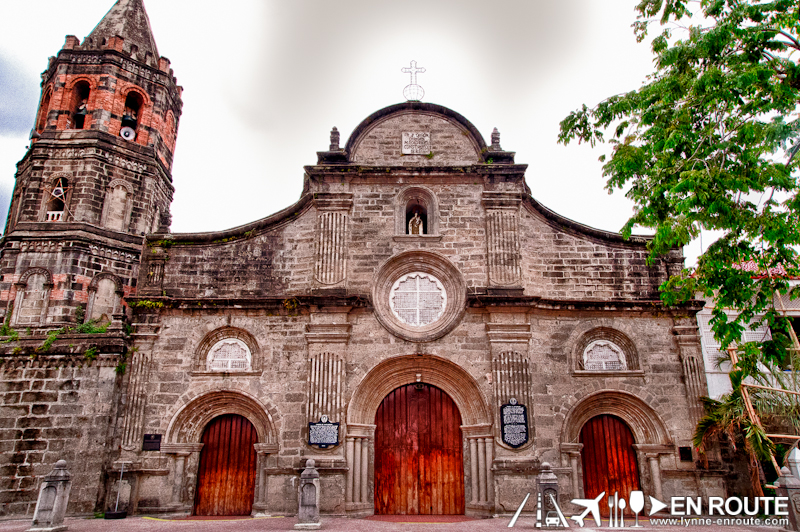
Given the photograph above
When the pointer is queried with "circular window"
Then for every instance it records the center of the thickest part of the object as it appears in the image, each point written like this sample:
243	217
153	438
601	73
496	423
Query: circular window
419	296
418	299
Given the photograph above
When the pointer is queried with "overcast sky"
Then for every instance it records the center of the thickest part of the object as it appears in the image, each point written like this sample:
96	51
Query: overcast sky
265	80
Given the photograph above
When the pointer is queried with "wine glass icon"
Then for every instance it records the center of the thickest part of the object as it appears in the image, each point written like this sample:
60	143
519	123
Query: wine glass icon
636	501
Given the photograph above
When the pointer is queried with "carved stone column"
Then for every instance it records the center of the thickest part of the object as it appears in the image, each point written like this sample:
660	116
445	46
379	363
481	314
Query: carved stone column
360	439
136	390
655	474
263	450
327	338
502	237
688	339
480	443
177	481
330	246
509	338
181	452
652	453
571	456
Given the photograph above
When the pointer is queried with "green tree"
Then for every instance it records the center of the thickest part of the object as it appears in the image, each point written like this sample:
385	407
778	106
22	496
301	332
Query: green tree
710	142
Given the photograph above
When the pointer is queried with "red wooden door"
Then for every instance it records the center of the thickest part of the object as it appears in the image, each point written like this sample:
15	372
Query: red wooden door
609	460
418	459
226	479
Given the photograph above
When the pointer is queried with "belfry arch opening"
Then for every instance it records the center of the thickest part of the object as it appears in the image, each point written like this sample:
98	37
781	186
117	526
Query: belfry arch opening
131	115
79	106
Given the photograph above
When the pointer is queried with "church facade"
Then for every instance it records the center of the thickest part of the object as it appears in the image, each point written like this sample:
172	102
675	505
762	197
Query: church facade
417	323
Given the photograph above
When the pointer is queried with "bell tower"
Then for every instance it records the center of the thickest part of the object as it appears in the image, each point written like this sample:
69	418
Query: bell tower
96	177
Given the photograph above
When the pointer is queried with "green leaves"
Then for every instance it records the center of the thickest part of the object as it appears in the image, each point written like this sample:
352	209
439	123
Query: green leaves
709	142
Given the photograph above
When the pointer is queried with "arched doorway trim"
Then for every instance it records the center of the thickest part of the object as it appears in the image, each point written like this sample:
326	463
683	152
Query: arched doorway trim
644	422
188	423
402	370
185	431
651	434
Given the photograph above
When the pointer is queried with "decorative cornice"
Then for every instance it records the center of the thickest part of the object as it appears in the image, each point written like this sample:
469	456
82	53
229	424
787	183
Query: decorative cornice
180	448
570	448
333	202
508	332
328	333
483	430
356	430
654	448
500	200
266	448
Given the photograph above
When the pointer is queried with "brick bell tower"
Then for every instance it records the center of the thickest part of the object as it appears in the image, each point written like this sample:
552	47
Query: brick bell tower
97	176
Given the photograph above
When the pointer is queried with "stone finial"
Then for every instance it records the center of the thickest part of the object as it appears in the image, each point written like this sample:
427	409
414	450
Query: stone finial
334	139
496	141
308	512
53	499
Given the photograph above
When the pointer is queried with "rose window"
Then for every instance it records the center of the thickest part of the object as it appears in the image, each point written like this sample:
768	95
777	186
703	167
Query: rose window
418	299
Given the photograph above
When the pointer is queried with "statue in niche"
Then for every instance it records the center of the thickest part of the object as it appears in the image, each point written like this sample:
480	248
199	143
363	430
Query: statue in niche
415	225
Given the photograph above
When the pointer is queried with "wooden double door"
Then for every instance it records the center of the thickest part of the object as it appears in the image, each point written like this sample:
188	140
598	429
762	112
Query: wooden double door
609	459
226	477
419	467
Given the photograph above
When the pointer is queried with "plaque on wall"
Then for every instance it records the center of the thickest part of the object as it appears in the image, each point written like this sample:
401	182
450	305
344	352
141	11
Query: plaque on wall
514	423
416	143
323	434
151	442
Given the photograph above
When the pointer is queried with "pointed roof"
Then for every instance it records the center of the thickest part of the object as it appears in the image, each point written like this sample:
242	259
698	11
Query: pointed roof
128	19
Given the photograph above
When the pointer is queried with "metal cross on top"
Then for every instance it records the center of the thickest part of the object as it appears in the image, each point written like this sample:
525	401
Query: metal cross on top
413	92
413	69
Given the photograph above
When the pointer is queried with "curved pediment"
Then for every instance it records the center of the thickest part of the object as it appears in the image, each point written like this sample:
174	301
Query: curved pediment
415	134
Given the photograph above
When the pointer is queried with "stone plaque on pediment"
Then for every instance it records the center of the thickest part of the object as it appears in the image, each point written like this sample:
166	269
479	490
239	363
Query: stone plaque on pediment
416	143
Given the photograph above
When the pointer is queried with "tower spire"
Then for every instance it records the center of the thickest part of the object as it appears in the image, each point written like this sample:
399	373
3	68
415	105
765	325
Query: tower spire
127	19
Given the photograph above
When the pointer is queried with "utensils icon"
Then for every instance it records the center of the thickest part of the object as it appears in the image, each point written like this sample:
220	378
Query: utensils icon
637	505
612	523
622	513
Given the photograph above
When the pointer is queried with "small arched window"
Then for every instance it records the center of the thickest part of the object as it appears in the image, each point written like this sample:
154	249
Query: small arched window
131	115
44	109
79	105
228	349
57	200
230	354
605	349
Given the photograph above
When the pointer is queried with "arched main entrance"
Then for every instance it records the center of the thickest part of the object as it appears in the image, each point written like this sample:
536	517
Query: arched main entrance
226	477
419	466
609	459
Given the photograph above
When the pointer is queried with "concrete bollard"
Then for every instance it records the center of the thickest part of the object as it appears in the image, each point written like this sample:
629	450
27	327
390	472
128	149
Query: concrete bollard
53	499
308	513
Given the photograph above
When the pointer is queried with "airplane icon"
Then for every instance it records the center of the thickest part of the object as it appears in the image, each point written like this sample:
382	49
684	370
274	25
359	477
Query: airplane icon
591	505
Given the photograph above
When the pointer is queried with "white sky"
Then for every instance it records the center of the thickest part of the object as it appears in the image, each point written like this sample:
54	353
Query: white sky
265	80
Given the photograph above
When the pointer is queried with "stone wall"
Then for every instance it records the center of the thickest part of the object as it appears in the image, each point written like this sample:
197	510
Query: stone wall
55	407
